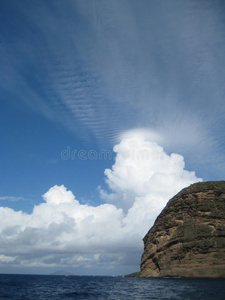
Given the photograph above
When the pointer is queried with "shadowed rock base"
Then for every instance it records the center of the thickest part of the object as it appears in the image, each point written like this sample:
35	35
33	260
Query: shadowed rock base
188	237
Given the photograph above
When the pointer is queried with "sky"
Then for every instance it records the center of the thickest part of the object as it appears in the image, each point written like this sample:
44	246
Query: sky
107	110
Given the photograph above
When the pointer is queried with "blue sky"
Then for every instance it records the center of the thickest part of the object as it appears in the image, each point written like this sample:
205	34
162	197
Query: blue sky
81	74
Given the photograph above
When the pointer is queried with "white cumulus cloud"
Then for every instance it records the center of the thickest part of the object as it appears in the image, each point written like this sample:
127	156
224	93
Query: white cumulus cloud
63	232
143	179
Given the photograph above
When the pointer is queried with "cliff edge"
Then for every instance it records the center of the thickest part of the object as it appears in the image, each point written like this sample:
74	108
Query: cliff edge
188	237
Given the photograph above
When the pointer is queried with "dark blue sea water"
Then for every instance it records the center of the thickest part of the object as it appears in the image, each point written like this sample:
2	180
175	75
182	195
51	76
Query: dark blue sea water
84	287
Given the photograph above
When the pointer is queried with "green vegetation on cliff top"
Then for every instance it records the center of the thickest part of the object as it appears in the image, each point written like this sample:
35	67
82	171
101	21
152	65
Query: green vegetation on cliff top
217	186
205	186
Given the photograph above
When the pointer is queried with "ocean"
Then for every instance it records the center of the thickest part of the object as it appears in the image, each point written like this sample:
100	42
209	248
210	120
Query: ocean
33	287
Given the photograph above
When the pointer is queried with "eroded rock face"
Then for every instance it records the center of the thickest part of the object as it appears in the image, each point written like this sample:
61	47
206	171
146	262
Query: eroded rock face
188	237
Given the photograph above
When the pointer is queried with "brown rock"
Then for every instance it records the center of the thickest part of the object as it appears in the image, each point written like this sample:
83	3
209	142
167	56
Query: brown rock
188	237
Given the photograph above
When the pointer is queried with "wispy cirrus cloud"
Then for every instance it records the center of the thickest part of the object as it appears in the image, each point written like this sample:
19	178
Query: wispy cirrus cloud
105	67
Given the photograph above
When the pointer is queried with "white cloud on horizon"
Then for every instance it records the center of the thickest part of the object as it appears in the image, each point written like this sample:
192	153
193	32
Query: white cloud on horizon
63	232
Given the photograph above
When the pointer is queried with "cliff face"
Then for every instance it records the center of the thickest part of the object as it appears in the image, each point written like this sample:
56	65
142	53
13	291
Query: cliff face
188	237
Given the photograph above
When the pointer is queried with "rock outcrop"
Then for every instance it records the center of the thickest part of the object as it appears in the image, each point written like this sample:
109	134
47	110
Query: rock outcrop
188	237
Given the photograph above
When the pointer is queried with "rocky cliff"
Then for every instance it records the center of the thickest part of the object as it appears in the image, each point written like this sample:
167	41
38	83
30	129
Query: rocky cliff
188	237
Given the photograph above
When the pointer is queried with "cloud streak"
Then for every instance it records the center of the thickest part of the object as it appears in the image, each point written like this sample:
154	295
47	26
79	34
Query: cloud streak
105	67
11	198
